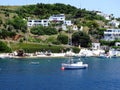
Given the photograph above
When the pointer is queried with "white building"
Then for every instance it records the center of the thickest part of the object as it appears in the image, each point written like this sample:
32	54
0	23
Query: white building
44	22
67	22
59	17
111	34
75	27
106	16
117	44
114	23
95	46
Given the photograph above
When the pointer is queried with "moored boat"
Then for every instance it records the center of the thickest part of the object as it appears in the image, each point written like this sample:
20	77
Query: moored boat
73	65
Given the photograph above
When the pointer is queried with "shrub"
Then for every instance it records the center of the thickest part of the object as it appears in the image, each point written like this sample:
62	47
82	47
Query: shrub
50	31
56	42
108	43
4	48
40	30
31	48
81	38
63	39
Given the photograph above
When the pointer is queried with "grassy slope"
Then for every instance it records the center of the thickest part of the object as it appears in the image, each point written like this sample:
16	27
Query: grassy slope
33	47
2	12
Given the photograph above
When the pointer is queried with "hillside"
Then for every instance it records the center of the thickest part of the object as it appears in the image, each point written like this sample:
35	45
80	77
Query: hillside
13	23
6	11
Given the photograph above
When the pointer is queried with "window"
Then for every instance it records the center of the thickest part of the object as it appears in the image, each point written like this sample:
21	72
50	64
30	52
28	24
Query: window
39	21
109	30
44	21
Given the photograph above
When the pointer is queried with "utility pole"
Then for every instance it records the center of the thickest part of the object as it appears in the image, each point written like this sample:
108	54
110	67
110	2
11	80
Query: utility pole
28	30
69	36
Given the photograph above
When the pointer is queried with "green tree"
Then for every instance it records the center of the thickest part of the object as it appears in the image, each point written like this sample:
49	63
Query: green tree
4	48
40	30
18	23
108	43
50	31
62	38
81	38
7	14
100	32
3	34
1	22
11	34
37	30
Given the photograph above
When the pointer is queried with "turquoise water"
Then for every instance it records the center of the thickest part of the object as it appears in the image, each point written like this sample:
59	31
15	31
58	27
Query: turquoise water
46	74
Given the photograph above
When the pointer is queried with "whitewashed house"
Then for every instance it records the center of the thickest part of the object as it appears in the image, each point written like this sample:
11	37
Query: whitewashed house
114	23
74	27
95	46
67	23
117	44
44	22
111	34
58	17
106	16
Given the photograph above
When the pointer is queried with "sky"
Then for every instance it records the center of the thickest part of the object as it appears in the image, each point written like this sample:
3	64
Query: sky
106	6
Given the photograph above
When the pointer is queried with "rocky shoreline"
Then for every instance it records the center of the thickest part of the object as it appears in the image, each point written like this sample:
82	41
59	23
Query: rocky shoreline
82	53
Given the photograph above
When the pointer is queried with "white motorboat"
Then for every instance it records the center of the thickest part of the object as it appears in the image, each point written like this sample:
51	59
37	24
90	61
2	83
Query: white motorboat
74	65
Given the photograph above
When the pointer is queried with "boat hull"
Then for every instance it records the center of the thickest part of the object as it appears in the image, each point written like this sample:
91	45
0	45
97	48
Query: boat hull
74	66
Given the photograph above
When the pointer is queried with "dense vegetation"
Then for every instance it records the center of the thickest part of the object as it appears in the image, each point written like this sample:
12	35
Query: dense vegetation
13	21
30	47
62	39
81	38
40	30
4	48
45	10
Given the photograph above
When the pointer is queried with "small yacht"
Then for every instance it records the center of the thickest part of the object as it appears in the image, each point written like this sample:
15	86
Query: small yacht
73	65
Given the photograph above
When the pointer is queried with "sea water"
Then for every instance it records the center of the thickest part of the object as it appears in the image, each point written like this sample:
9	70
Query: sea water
46	74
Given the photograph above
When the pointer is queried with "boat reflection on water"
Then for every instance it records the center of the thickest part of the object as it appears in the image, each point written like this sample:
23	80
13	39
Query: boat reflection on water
34	63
